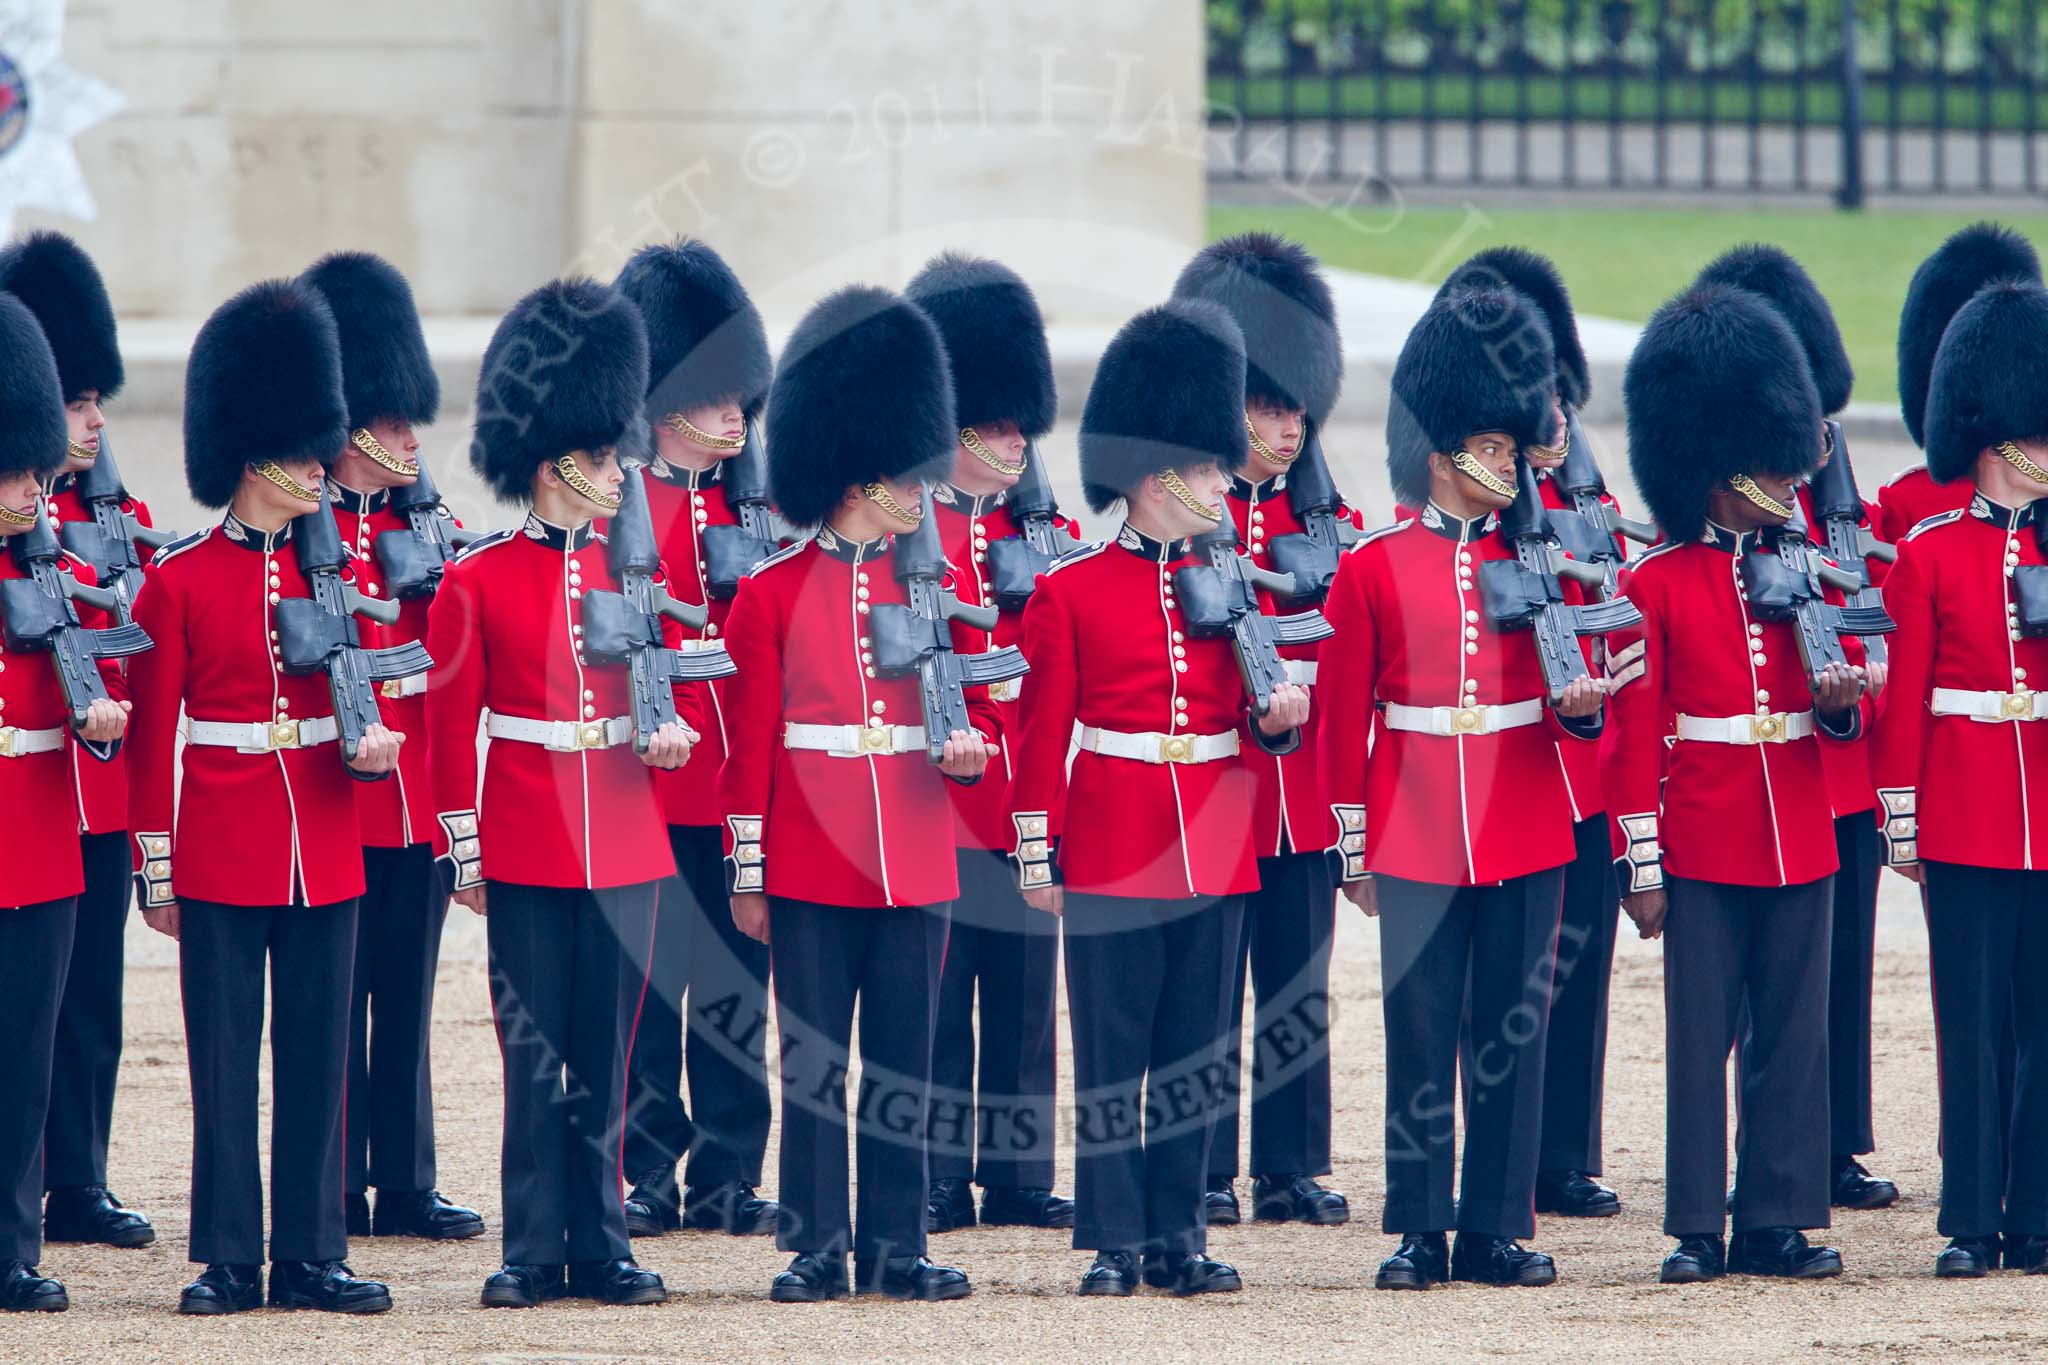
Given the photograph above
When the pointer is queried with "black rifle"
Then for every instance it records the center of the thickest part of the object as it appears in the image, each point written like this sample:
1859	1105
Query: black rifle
1310	554
319	634
113	542
918	638
733	552
41	616
1593	531
1838	507
1527	592
624	627
414	559
1015	562
1221	598
1786	582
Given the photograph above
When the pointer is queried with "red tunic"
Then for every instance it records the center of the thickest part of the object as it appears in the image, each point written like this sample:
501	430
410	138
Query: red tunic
1911	496
399	811
1738	814
1108	648
1460	809
506	634
682	502
273	828
1958	789
867	830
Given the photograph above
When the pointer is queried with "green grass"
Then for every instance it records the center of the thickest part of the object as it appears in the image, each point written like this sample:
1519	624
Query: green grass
1623	262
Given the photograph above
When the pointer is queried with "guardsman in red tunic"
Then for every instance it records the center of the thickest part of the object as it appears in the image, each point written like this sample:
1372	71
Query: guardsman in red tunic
1961	766
838	828
388	382
62	287
246	843
708	376
1145	849
565	848
39	801
998	1133
1295	363
1724	837
1457	824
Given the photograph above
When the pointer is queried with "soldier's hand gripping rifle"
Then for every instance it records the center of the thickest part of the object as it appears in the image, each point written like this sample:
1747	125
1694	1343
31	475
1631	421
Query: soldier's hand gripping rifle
1015	562
1787	582
733	552
319	634
41	616
1221	597
414	559
624	627
1592	534
1310	555
1527	592
113	542
918	638
1838	506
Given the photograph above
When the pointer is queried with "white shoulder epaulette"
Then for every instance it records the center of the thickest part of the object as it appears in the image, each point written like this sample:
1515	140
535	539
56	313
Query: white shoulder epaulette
781	556
1655	550
1938	519
1903	473
1075	556
477	547
1381	534
179	546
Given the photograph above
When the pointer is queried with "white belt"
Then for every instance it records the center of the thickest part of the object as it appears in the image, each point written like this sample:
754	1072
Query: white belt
697	646
261	736
411	685
1989	706
1300	672
1463	720
1774	727
561	736
21	743
854	741
1152	747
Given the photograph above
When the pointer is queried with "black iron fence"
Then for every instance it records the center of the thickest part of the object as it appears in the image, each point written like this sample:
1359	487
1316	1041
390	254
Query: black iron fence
1816	96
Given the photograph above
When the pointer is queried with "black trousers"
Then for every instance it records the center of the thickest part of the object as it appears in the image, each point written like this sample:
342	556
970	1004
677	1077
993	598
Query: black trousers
221	955
1575	1057
568	970
1148	992
1763	950
35	943
390	1134
1851	954
1439	944
88	1057
1285	942
699	953
1987	931
828	959
1003	1132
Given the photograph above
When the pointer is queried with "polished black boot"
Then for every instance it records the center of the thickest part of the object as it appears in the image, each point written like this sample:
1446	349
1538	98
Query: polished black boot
424	1213
329	1286
223	1289
1856	1188
732	1208
651	1209
1219	1203
1114	1275
1485	1259
1574	1194
1696	1260
950	1205
813	1277
1422	1259
1025	1206
1967	1258
1297	1199
619	1283
523	1286
2028	1252
90	1213
22	1290
1782	1253
1187	1273
912	1277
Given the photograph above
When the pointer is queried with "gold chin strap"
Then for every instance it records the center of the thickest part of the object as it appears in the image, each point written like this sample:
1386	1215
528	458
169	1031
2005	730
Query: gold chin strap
270	470
10	517
978	448
682	425
1558	452
1747	487
362	440
1171	481
1264	451
79	452
2017	458
1468	465
566	468
882	498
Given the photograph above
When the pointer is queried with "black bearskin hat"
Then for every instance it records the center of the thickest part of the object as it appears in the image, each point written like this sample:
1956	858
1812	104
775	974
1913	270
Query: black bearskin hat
32	432
58	282
1536	277
1275	291
1990	380
863	392
386	373
1718	386
705	338
1959	267
1168	394
995	341
1480	359
566	370
263	383
1785	285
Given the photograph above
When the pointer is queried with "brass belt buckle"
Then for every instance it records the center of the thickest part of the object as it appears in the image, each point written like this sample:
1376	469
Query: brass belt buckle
1467	720
1176	748
8	735
2017	705
284	734
393	688
590	735
1766	729
876	739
